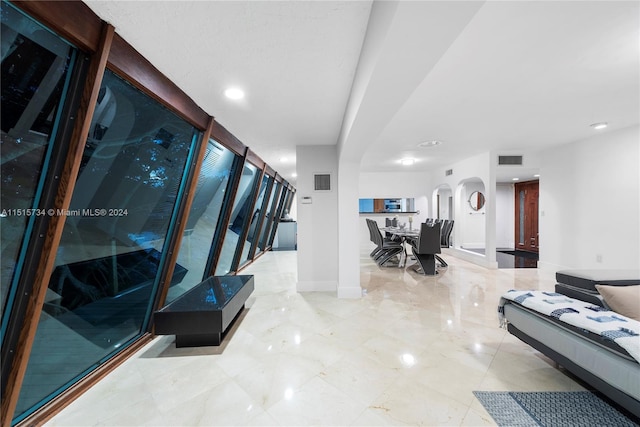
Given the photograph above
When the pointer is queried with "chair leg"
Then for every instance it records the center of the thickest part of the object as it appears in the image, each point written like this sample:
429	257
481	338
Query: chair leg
379	254
388	255
441	261
427	263
382	253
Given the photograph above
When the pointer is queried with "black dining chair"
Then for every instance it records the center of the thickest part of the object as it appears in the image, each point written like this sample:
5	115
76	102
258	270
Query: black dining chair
426	247
386	249
445	240
370	224
443	231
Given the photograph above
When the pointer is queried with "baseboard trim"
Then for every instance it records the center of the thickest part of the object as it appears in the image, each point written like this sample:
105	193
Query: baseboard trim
316	286
547	266
349	292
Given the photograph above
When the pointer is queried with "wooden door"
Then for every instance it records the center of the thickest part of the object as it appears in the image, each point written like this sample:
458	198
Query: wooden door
526	203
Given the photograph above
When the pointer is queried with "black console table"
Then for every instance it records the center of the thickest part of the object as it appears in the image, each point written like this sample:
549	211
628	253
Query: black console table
201	315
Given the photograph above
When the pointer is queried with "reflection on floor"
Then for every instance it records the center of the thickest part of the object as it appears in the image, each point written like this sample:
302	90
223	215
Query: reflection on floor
409	352
516	259
509	258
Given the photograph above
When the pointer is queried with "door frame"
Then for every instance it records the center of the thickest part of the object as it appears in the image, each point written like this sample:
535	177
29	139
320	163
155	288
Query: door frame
528	185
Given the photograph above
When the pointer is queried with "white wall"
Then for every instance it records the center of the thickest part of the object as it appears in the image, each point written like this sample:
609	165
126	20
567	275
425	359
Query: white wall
505	212
393	184
317	221
589	203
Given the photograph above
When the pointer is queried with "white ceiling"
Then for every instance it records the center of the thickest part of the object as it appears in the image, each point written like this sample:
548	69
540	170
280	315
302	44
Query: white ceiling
511	76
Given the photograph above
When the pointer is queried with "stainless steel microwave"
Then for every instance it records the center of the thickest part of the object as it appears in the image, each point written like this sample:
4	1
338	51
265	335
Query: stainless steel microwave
393	205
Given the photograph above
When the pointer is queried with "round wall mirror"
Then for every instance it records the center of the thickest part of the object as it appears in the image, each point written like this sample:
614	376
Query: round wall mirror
476	200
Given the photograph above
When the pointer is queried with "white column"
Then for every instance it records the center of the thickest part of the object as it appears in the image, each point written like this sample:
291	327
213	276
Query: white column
348	230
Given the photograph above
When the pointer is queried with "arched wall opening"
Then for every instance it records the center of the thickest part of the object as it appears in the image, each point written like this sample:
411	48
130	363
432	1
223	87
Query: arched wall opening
470	215
442	202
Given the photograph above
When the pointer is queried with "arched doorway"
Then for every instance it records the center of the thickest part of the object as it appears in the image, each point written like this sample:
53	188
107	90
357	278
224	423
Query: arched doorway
471	215
443	202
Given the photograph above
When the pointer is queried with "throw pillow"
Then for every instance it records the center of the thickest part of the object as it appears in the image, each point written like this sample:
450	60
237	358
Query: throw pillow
622	299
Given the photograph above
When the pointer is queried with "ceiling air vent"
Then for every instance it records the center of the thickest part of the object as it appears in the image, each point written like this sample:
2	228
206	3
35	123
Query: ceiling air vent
448	172
510	160
322	182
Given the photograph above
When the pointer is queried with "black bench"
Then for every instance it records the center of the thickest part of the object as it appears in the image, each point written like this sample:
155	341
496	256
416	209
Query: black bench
201	315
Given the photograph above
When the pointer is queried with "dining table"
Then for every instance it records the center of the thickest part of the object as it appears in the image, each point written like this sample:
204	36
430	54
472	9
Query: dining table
403	234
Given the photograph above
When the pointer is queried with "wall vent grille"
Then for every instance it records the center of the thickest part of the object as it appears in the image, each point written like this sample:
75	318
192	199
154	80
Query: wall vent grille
510	160
322	182
448	172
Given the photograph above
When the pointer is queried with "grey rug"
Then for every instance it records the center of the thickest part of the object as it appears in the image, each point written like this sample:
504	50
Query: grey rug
551	409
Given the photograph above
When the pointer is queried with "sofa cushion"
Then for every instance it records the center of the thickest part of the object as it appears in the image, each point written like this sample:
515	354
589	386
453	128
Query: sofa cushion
624	300
587	279
587	295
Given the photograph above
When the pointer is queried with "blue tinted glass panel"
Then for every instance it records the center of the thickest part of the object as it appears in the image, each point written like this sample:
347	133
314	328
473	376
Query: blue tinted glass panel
111	250
268	219
279	214
240	215
213	294
290	197
35	73
254	231
203	222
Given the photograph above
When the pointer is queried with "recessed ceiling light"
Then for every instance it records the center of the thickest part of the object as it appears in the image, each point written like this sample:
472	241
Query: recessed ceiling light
515	179
430	143
407	161
283	159
536	175
294	175
599	126
234	93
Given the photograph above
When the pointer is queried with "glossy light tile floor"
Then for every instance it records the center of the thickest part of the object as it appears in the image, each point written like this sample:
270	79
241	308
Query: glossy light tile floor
410	352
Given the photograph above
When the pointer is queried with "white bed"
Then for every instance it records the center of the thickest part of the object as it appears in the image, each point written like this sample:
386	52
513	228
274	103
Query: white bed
590	355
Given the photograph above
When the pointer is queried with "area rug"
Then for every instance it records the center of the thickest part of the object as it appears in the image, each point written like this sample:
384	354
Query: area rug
551	409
